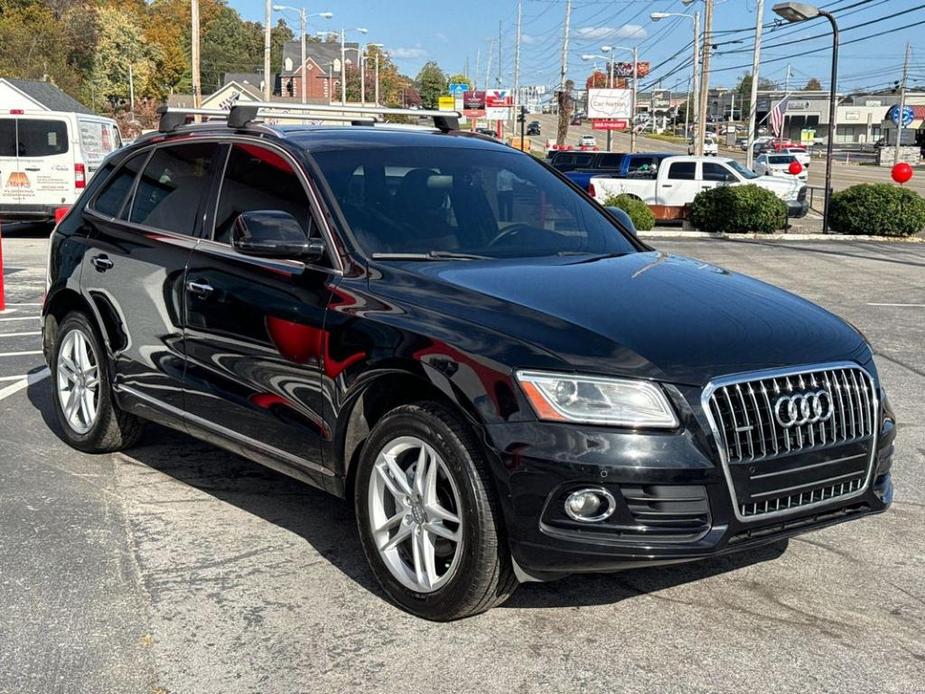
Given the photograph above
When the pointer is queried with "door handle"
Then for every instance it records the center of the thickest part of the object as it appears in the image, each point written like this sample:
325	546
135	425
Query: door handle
200	289
101	262
666	185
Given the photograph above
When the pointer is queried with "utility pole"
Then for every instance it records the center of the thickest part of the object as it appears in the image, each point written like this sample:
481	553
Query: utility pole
753	102
498	81
343	67
361	59
478	64
378	51
517	62
197	83
303	21
268	19
131	94
902	103
705	76
491	44
635	92
562	131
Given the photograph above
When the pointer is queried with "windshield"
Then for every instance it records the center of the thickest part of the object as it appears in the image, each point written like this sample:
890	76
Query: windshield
739	169
464	201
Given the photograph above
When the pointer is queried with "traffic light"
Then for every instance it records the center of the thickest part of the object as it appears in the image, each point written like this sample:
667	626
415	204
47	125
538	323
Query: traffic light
522	116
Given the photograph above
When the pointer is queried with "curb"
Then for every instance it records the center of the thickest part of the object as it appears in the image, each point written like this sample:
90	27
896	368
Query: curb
777	237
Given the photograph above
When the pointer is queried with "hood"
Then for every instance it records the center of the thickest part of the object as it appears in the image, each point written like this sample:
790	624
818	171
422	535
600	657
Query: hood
644	315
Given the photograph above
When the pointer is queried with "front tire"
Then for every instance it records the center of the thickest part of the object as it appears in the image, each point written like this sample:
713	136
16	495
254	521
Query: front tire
89	418
427	515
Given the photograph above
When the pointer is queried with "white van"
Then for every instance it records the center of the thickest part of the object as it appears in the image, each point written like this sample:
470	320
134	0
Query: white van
46	159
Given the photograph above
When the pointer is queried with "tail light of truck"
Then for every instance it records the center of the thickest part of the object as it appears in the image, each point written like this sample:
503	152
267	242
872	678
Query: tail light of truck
591	191
80	176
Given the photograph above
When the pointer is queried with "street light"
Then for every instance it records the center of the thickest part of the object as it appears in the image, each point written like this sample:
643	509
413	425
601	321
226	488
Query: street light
343	60
303	24
800	12
695	85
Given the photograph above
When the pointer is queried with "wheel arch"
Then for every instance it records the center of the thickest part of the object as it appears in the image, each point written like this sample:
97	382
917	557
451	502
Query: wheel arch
382	392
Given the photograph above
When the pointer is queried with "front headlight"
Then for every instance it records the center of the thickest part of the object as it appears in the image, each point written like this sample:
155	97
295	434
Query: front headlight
595	400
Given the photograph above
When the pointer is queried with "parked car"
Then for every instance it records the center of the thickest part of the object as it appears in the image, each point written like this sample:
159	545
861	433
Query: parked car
587	141
487	131
505	384
576	120
581	167
710	146
778	165
742	143
679	179
47	158
801	154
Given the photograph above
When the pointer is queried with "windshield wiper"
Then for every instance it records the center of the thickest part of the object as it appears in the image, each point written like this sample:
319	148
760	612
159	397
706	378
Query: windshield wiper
593	256
430	255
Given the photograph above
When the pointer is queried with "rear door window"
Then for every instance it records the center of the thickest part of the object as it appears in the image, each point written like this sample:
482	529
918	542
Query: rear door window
683	171
172	187
42	138
609	161
114	192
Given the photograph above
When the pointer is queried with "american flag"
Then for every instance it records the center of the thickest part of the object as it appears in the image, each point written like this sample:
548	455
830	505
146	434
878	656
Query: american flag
777	115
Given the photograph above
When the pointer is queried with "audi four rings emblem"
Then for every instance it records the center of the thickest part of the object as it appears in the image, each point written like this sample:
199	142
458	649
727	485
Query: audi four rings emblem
804	408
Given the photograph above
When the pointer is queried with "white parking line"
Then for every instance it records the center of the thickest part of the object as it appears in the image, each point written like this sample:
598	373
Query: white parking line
22	303
21	354
24	381
902	305
37	332
3	320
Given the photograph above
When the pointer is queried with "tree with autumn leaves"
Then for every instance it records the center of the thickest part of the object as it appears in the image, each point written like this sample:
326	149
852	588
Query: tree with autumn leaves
85	47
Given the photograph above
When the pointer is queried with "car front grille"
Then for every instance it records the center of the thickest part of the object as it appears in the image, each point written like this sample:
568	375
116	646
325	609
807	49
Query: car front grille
789	440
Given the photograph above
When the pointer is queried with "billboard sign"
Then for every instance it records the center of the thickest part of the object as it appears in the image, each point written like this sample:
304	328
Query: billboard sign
609	103
908	115
498	104
626	69
661	100
446	103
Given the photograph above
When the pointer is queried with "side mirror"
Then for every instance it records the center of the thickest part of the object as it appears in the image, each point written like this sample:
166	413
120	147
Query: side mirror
273	234
623	218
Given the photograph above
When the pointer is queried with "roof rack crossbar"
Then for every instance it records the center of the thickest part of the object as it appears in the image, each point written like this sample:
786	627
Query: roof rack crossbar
242	114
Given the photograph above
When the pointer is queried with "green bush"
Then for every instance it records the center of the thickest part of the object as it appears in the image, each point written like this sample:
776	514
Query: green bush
738	210
638	211
881	209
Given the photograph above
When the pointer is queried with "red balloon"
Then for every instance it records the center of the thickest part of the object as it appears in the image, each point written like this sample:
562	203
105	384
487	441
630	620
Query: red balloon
796	168
902	172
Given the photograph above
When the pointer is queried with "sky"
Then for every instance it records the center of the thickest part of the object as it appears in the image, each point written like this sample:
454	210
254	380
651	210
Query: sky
461	33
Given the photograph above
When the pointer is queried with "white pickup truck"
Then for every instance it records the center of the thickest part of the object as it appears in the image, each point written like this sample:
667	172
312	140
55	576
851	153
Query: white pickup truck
670	188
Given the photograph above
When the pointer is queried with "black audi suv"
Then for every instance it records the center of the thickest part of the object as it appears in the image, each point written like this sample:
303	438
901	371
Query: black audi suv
506	383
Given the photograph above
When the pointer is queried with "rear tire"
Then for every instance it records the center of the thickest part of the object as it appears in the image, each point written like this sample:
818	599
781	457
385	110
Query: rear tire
432	539
82	393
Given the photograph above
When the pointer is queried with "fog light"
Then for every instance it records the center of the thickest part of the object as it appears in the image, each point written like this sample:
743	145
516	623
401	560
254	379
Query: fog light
589	505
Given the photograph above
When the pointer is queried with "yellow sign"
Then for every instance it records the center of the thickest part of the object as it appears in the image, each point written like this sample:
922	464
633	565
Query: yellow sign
446	103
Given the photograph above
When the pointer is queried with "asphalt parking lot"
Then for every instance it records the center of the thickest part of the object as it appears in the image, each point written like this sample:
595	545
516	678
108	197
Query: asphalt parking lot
176	567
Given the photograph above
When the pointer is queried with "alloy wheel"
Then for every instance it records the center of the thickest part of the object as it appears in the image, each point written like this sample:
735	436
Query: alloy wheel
415	514
78	381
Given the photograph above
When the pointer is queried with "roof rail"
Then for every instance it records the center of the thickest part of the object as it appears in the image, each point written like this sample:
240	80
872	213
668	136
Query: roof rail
242	114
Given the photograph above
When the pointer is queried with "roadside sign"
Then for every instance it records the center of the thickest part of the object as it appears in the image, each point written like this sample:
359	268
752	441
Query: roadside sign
457	89
446	103
609	103
609	124
908	115
807	136
498	104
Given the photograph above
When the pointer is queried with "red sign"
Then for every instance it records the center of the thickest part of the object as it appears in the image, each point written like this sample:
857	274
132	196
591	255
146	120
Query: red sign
474	113
498	98
609	124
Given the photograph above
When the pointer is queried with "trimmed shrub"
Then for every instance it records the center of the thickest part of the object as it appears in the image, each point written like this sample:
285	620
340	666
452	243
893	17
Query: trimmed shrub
738	210
880	209
638	211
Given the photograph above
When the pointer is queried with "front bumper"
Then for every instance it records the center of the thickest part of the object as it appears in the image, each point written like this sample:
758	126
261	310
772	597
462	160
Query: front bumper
673	503
797	208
